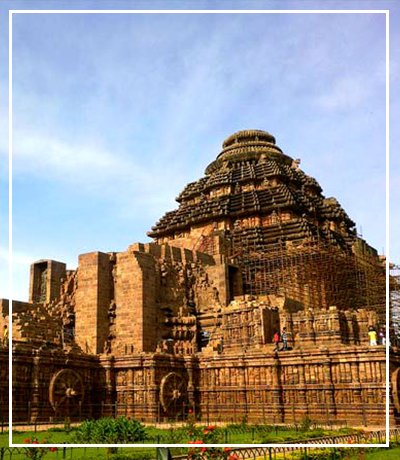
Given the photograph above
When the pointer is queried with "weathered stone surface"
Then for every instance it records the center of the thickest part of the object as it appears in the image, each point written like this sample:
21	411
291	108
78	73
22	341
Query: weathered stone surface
253	248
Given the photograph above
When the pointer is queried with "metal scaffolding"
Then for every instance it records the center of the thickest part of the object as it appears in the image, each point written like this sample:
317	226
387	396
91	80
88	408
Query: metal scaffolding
394	303
315	273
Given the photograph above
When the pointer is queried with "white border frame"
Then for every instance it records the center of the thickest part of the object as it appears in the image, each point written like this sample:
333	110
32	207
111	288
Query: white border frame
386	12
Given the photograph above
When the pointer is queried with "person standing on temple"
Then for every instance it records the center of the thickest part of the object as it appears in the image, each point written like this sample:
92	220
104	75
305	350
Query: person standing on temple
284	339
382	337
276	341
373	336
5	336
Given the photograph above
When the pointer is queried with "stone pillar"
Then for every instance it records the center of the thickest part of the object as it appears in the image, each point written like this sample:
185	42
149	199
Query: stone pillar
219	275
276	392
45	280
110	394
135	296
241	383
4	308
302	408
357	391
35	393
130	393
152	392
93	299
329	388
189	368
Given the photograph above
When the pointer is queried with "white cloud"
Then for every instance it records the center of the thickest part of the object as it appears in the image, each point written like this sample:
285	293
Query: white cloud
128	127
39	153
133	182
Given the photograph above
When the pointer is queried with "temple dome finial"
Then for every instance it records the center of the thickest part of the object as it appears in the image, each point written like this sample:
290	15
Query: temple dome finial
248	144
248	136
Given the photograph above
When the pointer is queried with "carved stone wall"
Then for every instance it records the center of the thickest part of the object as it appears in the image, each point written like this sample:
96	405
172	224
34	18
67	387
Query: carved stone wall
188	321
150	387
45	280
157	291
4	384
326	385
93	301
33	373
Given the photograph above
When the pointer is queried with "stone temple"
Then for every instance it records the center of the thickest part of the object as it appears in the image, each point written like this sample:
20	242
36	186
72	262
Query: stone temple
186	323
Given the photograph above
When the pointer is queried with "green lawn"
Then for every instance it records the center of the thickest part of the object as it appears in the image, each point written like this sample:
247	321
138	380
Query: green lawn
383	454
140	453
177	436
94	453
228	435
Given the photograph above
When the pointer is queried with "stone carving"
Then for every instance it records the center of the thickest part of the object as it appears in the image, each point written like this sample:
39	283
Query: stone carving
253	247
43	285
66	392
173	393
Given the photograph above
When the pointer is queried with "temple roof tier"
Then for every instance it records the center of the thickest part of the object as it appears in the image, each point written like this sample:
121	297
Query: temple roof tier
252	183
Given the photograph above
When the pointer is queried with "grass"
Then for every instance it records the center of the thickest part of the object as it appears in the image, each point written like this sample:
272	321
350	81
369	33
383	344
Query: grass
383	454
228	436
92	453
142	453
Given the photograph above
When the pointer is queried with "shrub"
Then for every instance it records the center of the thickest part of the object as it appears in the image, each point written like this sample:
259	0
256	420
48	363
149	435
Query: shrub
211	453
325	453
37	453
109	431
133	456
306	423
207	434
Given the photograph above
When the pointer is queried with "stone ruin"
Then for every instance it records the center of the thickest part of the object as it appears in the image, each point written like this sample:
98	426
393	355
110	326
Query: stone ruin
185	324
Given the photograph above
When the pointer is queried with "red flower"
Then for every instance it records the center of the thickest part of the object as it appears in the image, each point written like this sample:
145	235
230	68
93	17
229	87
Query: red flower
203	449
211	428
53	449
27	441
227	449
198	442
205	431
35	442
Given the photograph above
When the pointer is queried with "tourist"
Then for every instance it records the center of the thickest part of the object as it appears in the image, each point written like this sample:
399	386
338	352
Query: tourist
276	340
284	339
382	337
5	336
372	337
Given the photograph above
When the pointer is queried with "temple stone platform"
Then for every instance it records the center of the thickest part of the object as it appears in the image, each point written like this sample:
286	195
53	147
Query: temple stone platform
185	324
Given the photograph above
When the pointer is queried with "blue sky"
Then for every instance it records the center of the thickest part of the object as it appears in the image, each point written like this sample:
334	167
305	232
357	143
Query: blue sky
114	113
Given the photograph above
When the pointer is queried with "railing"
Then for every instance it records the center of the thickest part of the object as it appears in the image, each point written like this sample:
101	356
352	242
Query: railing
30	415
269	453
67	453
175	435
242	453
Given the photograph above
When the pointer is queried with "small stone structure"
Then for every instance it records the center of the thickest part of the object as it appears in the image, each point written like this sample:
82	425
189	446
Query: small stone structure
186	323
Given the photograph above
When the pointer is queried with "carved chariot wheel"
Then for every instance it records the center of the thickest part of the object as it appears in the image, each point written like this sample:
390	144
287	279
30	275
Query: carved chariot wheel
66	392
395	381
173	393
